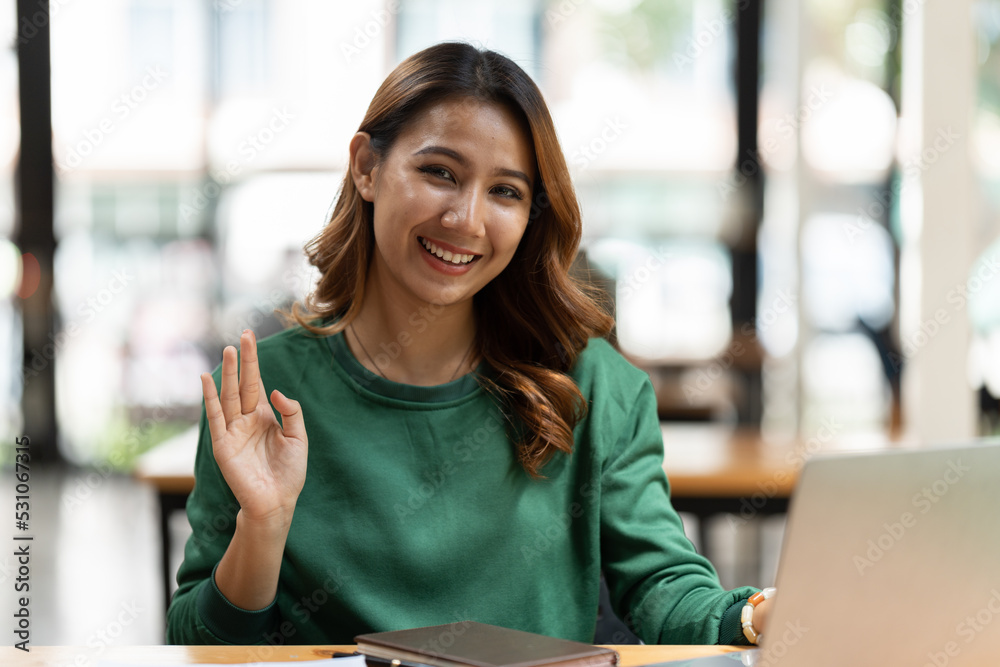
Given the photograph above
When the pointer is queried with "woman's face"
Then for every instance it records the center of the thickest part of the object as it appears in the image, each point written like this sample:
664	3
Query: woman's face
451	200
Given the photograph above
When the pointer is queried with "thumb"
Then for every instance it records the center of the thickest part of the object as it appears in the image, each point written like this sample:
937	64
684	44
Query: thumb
292	424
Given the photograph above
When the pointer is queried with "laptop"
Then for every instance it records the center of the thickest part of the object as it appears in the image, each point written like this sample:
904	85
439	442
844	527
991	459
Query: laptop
889	558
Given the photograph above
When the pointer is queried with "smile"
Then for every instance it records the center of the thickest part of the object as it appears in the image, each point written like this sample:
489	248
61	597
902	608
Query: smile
446	255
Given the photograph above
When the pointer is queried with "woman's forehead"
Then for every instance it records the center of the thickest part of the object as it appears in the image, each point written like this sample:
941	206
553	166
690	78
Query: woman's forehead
467	121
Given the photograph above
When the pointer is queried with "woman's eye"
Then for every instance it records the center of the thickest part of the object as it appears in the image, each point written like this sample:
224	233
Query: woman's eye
508	192
505	191
440	172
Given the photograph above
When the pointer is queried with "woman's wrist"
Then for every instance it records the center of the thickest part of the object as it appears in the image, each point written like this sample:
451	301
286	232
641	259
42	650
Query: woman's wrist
753	618
247	576
274	526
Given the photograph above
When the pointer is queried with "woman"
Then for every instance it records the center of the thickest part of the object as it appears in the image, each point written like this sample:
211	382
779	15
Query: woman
476	450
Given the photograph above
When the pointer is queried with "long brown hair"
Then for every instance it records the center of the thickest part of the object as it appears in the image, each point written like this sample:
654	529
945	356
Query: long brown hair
533	319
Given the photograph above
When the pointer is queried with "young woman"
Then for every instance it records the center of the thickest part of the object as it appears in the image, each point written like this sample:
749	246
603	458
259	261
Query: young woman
463	444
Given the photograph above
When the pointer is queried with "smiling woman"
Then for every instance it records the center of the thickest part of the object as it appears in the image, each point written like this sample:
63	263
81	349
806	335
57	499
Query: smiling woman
458	154
476	450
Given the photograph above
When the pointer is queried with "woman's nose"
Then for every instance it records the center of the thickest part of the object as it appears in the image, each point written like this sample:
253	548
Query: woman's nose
465	215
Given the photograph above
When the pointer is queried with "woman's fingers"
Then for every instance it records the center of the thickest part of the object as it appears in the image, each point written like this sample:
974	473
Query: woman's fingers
213	410
249	373
292	424
230	385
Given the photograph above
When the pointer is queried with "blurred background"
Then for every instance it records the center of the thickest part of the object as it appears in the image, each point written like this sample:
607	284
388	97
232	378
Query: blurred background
795	204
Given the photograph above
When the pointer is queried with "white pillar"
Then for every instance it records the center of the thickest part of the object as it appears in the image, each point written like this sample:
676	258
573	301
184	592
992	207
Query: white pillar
939	218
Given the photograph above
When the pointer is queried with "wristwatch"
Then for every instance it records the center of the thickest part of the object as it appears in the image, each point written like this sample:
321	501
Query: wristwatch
746	616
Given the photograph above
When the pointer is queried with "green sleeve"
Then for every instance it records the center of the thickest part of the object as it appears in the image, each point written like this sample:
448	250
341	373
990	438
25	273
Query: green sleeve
198	612
660	586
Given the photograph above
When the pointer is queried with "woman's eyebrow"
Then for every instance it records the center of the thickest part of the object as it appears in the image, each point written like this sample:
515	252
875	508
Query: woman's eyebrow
457	157
514	173
441	150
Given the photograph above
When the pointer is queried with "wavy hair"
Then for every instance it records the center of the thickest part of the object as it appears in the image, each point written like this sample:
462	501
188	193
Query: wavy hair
534	318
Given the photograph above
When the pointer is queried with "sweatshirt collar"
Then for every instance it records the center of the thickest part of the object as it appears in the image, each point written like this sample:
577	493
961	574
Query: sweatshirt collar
377	384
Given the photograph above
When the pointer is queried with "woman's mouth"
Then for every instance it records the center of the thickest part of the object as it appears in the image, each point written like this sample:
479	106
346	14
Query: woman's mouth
446	256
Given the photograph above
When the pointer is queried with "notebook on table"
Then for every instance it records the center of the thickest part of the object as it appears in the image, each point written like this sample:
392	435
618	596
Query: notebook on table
472	644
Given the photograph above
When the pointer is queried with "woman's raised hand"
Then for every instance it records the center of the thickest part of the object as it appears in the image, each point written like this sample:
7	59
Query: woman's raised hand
263	462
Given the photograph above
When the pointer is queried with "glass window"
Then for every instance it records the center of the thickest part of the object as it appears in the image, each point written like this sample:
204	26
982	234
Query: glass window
243	54
827	136
151	36
133	280
509	27
189	181
643	101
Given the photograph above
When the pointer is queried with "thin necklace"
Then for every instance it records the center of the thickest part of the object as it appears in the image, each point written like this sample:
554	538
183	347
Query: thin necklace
365	350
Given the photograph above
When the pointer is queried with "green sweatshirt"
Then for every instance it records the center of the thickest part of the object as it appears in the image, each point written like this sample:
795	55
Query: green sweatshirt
416	512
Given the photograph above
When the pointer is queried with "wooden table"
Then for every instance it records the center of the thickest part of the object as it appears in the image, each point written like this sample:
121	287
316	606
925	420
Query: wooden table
78	656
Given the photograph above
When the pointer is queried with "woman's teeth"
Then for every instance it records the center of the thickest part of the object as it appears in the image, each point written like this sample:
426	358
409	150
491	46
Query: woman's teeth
445	254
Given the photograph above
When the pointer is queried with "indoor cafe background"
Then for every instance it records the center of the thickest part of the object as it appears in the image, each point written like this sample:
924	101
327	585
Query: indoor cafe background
795	203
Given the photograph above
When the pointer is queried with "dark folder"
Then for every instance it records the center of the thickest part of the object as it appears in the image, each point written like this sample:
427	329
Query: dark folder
472	644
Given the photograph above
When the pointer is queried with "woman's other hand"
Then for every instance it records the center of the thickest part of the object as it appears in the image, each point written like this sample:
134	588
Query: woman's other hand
263	461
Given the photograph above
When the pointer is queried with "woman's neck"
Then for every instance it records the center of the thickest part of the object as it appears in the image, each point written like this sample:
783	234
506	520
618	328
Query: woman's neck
411	341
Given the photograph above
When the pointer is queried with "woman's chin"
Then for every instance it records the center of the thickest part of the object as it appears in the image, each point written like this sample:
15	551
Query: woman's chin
447	295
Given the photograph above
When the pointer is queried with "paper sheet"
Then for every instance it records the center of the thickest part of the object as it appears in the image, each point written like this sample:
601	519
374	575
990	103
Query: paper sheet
352	661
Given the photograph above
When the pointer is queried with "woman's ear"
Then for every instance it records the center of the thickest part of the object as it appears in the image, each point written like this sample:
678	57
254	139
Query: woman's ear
363	165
